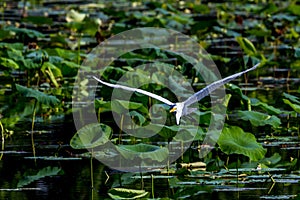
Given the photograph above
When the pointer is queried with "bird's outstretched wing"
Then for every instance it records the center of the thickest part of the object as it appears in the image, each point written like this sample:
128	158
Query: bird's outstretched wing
166	101
210	88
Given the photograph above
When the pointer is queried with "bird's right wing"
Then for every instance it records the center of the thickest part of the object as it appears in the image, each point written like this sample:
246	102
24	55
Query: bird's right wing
166	101
210	88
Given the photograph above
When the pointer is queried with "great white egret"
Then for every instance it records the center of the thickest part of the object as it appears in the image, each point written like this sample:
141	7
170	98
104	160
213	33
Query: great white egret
181	108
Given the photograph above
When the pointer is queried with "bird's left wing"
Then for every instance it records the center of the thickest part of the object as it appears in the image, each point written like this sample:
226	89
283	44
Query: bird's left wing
210	88
166	101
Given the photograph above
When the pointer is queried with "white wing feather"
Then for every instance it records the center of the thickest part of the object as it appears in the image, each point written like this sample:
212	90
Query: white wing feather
210	88
166	101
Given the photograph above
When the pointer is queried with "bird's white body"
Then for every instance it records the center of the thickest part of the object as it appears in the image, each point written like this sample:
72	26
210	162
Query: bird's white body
181	108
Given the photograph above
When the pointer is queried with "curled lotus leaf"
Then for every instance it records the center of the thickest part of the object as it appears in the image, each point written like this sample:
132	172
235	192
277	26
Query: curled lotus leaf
91	136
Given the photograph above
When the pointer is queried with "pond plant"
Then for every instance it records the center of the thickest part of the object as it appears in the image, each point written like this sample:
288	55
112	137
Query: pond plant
90	137
39	99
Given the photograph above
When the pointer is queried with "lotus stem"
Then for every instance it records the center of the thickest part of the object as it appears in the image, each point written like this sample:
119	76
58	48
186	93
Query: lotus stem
237	176
182	149
298	129
107	177
121	128
2	137
91	168
142	179
273	183
249	104
227	160
99	115
288	122
78	54
152	185
32	129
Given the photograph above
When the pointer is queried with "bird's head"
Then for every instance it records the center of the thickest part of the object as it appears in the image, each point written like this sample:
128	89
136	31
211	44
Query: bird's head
178	108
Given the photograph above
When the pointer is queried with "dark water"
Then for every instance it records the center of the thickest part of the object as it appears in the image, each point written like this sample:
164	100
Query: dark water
73	183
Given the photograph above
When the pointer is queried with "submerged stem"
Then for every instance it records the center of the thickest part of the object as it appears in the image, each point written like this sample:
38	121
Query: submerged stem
237	176
142	179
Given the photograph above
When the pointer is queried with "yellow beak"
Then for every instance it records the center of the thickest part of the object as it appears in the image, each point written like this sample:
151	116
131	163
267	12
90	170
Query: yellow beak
174	109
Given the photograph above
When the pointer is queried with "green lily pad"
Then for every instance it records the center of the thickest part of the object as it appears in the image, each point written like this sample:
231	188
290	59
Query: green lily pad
124	193
30	33
151	129
91	136
52	71
291	98
266	107
294	106
246	45
143	151
9	63
163	130
238	91
68	68
140	119
259	119
189	134
271	161
119	106
38	20
234	140
39	96
48	171
104	154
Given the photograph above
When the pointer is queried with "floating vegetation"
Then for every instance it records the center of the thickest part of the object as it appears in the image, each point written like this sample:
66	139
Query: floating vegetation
123	193
48	171
51	158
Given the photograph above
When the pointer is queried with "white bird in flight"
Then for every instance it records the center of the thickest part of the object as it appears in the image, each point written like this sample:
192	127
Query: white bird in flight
181	108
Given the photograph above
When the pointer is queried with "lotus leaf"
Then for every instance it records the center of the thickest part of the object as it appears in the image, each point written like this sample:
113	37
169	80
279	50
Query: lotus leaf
143	151
246	45
9	63
52	71
292	98
119	106
295	107
91	136
259	119
24	31
265	106
124	193
48	171
233	140
39	96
